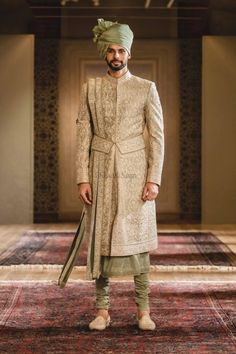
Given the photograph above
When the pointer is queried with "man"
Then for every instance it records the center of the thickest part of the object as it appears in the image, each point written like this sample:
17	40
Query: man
118	177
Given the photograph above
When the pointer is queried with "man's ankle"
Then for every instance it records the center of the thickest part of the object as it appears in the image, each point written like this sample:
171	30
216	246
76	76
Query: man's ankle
103	312
142	313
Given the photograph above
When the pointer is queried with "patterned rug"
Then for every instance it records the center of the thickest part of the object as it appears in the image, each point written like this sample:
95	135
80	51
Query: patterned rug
191	318
175	248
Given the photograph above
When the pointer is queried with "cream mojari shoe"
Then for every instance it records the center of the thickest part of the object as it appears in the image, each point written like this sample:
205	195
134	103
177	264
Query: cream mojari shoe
100	323
146	323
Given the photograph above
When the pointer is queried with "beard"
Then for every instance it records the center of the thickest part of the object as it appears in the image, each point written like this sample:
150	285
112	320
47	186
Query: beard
116	67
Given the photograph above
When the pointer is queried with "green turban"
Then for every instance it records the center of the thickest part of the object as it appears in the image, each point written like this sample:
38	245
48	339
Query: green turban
107	32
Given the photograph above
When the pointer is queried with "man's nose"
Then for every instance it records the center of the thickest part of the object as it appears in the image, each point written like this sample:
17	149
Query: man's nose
117	54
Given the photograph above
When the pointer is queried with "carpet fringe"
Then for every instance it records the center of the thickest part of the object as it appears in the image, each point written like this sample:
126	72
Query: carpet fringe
178	231
194	268
153	268
50	231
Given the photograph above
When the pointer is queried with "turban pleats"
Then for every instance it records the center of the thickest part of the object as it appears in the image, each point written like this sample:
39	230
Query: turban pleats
107	32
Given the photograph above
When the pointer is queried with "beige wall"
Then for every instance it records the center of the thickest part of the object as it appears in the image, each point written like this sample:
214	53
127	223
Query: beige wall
16	128
154	60
219	130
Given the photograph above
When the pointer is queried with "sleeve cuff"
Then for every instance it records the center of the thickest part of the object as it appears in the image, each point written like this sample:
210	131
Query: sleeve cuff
154	178
82	177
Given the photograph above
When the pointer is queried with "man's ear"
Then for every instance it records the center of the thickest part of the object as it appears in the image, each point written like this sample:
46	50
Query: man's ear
129	57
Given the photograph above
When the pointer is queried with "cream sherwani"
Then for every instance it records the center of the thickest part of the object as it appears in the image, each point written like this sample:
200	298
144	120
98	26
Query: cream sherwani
114	158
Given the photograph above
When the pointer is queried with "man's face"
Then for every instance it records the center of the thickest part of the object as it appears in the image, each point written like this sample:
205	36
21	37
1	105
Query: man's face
117	57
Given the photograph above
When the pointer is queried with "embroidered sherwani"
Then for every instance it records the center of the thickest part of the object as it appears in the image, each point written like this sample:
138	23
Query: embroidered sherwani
114	158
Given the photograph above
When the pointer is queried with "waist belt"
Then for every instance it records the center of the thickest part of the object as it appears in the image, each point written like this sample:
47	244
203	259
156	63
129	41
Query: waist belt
124	146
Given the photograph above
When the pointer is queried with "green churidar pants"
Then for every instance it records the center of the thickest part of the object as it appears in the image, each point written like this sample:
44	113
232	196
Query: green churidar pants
137	265
141	292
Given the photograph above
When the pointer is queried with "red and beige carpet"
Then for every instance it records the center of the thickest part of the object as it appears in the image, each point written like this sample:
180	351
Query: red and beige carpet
40	318
175	248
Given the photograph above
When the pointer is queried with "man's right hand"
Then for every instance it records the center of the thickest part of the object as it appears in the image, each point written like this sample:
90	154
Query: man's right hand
85	192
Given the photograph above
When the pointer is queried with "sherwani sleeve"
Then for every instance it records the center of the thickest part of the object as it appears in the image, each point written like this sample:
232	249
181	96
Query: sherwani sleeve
155	127
83	136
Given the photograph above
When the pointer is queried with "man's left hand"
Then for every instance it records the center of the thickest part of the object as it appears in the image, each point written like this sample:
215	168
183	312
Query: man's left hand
150	191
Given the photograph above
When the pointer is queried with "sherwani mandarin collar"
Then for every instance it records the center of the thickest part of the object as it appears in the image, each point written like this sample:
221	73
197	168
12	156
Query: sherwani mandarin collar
116	80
